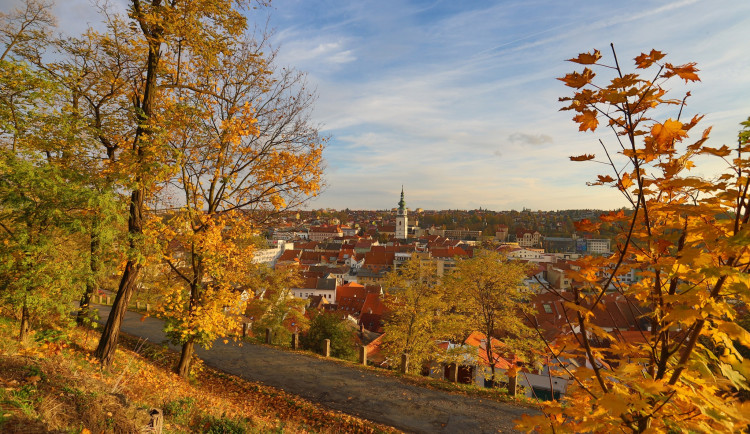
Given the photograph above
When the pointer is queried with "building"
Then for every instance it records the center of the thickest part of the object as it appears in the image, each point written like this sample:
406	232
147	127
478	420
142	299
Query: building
528	238
269	256
321	233
559	245
598	246
402	220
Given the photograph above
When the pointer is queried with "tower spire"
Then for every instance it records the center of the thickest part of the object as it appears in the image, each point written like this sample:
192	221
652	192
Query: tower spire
402	220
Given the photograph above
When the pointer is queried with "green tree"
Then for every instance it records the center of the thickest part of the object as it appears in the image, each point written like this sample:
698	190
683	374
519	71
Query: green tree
45	198
40	256
329	326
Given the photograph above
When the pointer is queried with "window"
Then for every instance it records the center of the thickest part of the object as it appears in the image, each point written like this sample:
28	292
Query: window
547	308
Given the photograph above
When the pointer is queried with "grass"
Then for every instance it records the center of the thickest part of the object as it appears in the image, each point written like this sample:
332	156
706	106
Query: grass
55	384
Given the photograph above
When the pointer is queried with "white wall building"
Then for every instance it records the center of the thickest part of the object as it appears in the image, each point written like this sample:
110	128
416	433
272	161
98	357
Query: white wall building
269	256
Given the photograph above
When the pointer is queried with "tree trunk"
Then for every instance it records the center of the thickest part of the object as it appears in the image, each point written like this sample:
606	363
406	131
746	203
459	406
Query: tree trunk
490	357
23	335
183	367
91	282
196	289
105	351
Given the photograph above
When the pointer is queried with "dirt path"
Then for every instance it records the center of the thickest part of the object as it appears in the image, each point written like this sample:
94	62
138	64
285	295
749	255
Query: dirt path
367	395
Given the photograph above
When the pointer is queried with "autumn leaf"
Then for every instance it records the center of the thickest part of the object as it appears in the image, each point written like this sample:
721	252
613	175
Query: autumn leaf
687	72
584	157
625	181
586	225
646	60
668	132
605	178
587	120
587	58
578	80
723	151
612	216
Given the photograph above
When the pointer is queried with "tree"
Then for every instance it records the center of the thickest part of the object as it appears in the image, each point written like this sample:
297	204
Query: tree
202	287
418	312
40	261
245	151
329	326
492	300
176	35
45	202
274	306
687	237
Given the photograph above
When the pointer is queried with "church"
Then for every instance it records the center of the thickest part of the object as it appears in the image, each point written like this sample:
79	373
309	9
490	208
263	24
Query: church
401	218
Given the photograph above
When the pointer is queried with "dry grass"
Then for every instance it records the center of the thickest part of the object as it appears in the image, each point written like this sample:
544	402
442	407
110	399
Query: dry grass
58	387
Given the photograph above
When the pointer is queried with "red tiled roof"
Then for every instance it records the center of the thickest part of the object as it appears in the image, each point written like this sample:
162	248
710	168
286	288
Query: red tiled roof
289	255
306	246
448	252
326	229
477	339
379	258
309	257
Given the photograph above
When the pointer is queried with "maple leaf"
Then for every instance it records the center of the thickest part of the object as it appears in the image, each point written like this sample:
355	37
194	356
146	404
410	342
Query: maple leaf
646	60
578	80
586	225
687	72
612	216
587	120
719	152
584	157
605	178
668	132
626	181
587	58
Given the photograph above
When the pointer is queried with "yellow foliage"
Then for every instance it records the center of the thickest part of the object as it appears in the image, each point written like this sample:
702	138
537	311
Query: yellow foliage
686	237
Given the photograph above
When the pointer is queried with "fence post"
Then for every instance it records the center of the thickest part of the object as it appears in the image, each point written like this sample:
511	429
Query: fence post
157	421
363	355
327	348
512	374
268	336
295	341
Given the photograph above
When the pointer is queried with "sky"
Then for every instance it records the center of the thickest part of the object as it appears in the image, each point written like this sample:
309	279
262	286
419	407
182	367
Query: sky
458	100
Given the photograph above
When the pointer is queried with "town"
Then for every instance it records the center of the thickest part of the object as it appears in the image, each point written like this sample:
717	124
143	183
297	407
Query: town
344	258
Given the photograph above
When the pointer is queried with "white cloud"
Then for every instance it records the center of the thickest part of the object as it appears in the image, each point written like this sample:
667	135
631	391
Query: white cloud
458	100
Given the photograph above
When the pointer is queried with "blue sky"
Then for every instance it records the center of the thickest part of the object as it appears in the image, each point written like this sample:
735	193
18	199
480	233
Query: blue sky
457	100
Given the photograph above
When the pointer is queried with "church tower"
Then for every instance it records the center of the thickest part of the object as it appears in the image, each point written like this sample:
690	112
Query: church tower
401	219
